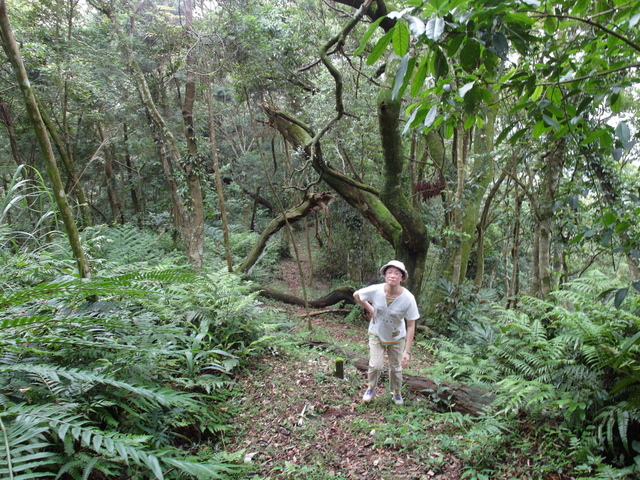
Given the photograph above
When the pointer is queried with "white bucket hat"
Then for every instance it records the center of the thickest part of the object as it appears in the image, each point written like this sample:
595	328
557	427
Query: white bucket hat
399	265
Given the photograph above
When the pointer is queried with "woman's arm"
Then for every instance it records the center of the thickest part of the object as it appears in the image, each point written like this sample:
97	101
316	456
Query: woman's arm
411	330
368	308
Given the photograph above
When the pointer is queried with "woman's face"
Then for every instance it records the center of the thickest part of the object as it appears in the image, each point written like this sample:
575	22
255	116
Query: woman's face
393	276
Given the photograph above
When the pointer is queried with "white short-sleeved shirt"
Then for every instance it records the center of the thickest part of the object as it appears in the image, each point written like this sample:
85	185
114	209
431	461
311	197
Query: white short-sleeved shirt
389	324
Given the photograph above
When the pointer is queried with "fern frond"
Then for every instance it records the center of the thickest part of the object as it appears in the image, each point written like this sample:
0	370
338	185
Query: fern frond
161	396
218	467
132	284
24	448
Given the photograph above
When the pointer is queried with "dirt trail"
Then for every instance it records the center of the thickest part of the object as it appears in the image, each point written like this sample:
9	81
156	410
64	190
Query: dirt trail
296	420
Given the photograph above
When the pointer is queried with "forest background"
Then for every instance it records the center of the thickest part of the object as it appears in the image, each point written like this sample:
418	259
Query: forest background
159	158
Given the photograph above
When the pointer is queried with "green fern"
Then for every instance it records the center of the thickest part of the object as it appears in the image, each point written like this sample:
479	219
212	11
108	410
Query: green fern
116	387
23	453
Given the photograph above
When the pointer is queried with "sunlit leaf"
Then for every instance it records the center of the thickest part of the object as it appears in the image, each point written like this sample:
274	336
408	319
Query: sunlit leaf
434	28
623	132
416	26
431	116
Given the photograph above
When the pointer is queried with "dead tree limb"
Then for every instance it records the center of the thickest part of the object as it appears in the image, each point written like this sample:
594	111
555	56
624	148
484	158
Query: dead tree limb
340	294
330	310
308	204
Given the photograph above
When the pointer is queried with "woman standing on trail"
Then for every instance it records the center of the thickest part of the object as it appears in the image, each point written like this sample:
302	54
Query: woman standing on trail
389	305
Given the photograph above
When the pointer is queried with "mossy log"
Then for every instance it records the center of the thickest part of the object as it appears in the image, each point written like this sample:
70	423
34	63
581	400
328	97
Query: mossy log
460	398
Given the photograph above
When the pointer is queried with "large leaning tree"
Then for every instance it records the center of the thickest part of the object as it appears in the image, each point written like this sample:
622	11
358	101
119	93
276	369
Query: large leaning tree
388	208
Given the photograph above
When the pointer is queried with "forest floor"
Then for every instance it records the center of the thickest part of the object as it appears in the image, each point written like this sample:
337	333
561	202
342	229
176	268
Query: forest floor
294	419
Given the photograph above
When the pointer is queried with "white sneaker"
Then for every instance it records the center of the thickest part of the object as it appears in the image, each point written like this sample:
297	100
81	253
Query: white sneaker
368	395
397	399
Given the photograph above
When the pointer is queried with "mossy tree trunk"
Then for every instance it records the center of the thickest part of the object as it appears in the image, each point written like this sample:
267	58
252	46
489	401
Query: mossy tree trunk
389	210
411	243
544	218
11	49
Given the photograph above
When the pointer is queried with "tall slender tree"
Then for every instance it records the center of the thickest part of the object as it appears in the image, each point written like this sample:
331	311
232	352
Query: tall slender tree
11	50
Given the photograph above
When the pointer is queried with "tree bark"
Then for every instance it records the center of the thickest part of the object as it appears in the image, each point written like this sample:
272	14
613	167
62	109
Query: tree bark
218	178
7	121
514	285
193	221
412	243
133	180
69	166
11	49
112	193
545	215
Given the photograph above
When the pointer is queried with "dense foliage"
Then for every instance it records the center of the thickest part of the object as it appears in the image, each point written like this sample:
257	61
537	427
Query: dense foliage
507	173
569	363
123	374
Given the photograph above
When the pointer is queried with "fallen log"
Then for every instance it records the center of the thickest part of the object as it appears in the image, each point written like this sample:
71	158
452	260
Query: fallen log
329	310
457	397
340	294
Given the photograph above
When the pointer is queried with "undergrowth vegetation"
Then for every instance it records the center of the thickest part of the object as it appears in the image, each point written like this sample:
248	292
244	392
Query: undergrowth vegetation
127	374
122	375
567	369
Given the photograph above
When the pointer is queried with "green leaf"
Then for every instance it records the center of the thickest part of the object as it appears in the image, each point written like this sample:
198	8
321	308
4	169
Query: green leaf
400	80
622	226
518	135
471	100
580	7
500	45
550	121
537	92
503	134
469	55
615	102
609	219
367	35
419	78
550	25
469	122
598	134
379	48
400	39
449	128
621	294
440	65
454	44
539	129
